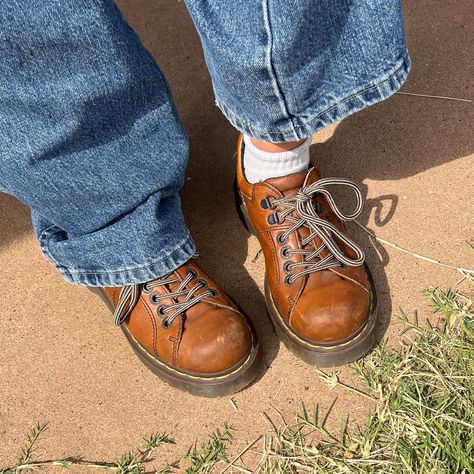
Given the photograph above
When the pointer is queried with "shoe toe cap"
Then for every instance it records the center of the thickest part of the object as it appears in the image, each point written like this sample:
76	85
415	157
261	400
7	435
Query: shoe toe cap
216	341
331	313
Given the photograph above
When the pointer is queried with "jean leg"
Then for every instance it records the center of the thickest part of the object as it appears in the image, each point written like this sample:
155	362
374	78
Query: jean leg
281	70
91	141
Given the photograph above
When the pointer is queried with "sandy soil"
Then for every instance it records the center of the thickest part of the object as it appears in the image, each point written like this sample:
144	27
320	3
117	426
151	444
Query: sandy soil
64	362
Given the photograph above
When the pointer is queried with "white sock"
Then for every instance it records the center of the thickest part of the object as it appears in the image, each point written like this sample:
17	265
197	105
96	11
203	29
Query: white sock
260	165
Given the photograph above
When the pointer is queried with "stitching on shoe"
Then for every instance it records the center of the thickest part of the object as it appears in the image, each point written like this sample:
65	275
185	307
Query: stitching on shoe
153	324
193	377
347	277
293	333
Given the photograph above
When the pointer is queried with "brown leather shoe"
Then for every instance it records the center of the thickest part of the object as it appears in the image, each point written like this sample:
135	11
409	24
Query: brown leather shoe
318	292
187	331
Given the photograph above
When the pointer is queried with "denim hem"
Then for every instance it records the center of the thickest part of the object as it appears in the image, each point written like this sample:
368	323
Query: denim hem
340	109
184	251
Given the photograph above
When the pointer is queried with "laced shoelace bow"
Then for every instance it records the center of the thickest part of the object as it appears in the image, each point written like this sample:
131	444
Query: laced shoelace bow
130	295
301	211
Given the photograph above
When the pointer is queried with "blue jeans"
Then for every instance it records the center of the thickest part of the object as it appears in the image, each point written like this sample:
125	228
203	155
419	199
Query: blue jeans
90	138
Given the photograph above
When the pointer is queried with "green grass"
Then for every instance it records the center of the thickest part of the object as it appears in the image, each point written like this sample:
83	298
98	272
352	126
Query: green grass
127	463
422	421
424	415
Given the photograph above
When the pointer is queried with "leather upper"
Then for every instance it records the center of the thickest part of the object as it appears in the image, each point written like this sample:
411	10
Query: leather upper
325	306
210	337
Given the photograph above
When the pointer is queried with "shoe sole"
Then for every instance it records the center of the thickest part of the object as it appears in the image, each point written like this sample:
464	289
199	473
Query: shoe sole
212	385
319	354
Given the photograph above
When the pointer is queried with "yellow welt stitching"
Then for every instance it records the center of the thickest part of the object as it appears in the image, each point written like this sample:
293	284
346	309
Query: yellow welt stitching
157	361
293	334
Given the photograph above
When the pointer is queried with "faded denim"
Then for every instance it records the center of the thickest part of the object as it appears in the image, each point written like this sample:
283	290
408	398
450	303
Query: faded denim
90	138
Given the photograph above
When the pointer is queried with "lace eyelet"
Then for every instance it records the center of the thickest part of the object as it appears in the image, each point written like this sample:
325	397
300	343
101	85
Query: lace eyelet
202	282
153	299
318	207
287	281
214	292
284	252
266	204
166	324
286	267
281	240
160	311
343	266
145	289
192	272
273	219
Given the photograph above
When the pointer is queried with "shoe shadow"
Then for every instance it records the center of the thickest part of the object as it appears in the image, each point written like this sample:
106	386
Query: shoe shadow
15	220
226	249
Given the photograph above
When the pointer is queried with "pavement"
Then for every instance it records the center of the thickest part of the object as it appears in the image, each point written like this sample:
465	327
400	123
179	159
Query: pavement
65	363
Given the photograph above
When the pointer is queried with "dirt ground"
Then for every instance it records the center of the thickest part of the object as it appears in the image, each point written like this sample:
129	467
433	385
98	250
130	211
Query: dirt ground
64	362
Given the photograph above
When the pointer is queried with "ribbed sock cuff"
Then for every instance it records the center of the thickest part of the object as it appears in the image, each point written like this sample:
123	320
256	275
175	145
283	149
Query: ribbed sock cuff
260	165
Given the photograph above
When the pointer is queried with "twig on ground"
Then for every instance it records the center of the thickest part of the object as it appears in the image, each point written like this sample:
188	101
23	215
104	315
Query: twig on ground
231	463
434	96
332	380
414	254
278	390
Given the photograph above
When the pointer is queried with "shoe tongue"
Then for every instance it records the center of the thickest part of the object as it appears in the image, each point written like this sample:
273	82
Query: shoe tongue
290	184
311	177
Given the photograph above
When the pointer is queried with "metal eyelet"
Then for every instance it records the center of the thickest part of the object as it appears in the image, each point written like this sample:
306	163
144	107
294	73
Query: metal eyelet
214	292
281	240
145	289
160	311
202	283
286	267
266	204
192	272
154	299
166	324
343	266
287	281
284	252
318	207
273	219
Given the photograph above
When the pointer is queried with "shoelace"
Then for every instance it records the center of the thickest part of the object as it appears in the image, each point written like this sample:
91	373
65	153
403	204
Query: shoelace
130	294
301	212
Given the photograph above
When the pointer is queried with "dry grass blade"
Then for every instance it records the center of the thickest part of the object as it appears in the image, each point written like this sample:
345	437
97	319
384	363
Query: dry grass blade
462	270
457	99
